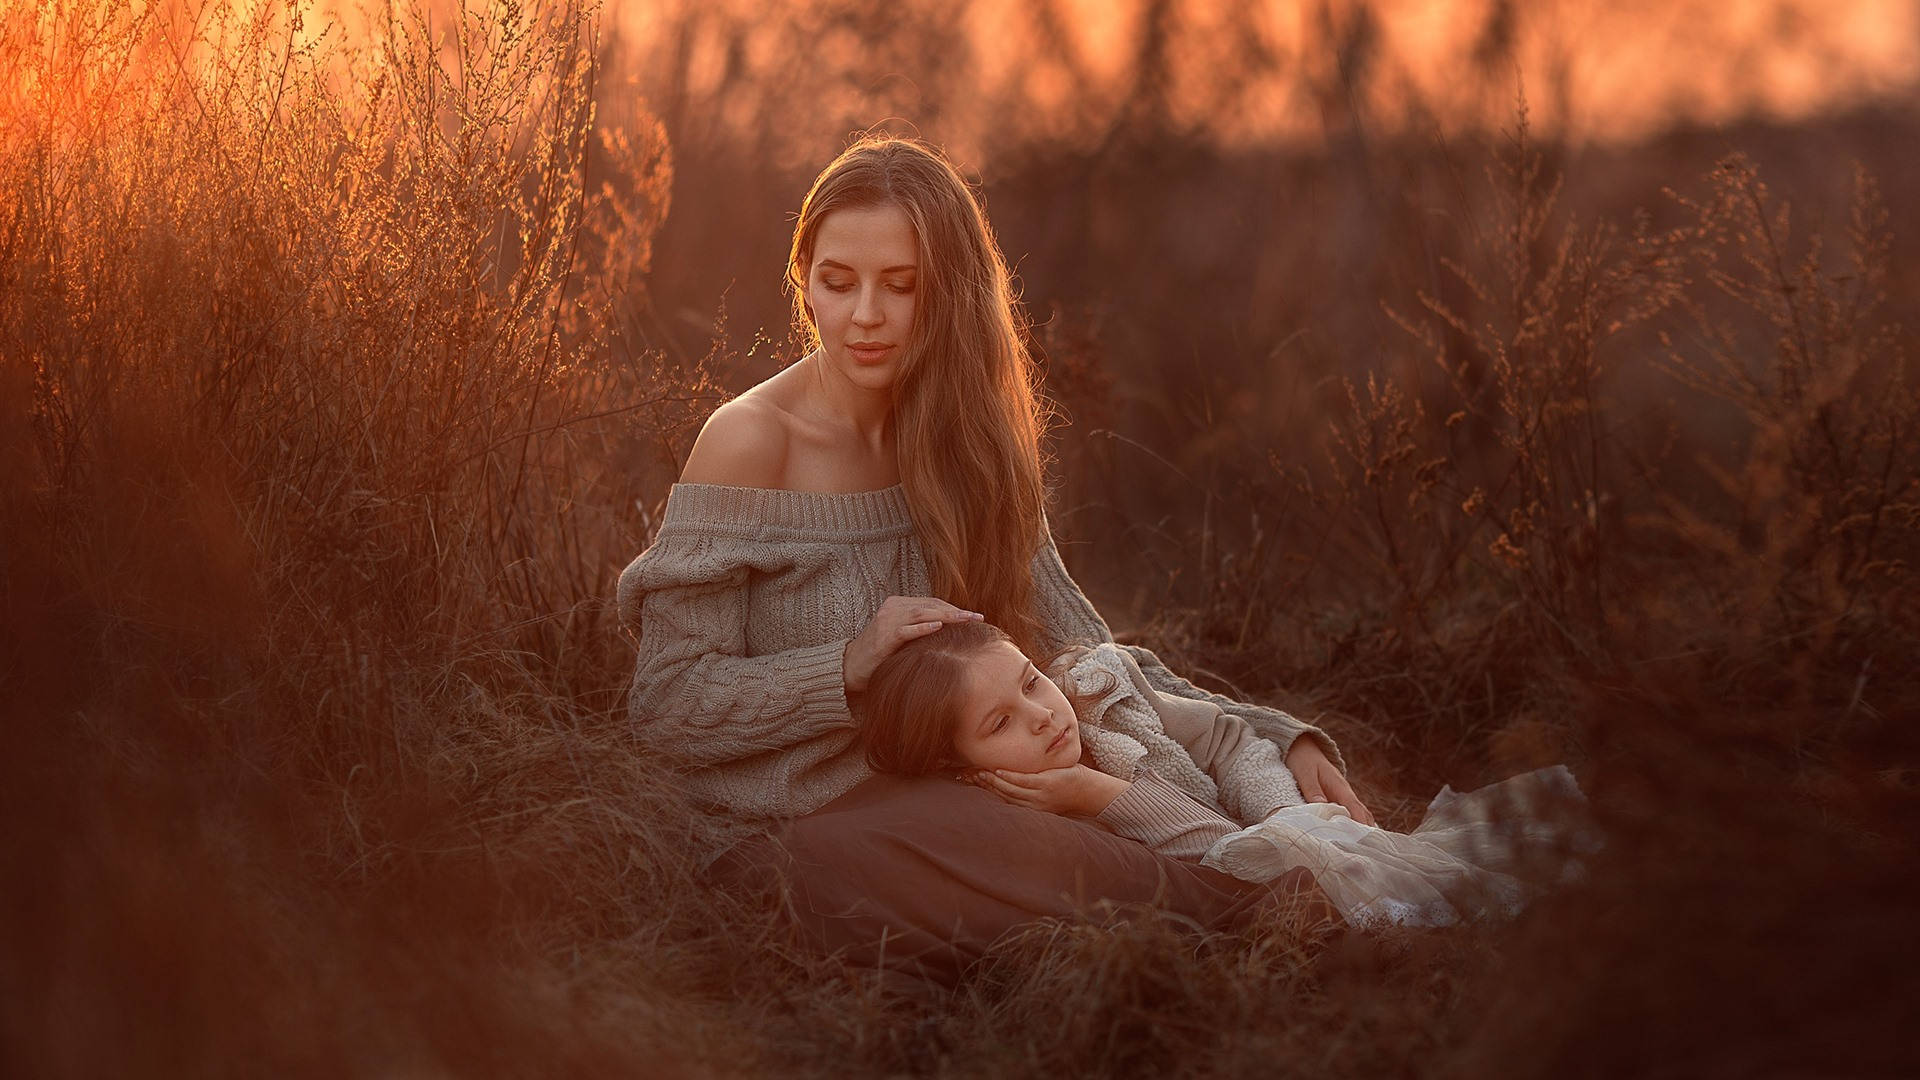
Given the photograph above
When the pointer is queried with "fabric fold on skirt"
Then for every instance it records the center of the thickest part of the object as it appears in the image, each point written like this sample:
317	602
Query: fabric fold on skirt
923	875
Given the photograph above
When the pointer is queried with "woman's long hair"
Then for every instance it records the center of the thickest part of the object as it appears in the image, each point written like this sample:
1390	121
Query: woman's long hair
968	420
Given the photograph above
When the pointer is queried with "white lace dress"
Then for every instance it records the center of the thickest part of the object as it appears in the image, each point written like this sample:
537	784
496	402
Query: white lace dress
1474	855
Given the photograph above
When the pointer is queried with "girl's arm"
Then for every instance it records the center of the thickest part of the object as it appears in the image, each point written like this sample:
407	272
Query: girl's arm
1068	618
1147	808
1251	772
1254	777
1164	818
1066	614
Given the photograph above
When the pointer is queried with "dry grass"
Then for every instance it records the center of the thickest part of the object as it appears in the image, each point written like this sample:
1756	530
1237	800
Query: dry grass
334	392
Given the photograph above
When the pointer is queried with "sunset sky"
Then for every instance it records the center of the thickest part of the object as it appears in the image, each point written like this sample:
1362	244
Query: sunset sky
1257	71
1618	68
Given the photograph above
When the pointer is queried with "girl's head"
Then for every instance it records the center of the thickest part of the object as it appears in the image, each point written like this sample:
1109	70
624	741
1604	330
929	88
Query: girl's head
892	249
965	696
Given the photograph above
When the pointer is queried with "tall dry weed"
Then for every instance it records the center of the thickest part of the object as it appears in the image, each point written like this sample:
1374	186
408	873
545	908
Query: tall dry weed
321	450
1819	528
1510	503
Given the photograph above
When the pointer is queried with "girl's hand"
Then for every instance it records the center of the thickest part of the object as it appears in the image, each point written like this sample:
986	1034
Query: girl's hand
1075	789
899	620
1320	781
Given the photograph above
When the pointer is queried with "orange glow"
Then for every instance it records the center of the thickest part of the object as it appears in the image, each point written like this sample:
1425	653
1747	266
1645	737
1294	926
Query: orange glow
1596	69
994	71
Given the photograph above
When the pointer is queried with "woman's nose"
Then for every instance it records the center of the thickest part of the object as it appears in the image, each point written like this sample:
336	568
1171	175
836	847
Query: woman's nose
867	311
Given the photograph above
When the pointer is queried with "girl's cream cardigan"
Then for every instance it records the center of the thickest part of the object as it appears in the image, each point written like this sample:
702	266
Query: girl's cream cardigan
1197	772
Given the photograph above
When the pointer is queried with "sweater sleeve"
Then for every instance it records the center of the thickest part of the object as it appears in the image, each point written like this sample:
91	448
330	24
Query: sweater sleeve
1164	818
1250	772
697	698
1068	618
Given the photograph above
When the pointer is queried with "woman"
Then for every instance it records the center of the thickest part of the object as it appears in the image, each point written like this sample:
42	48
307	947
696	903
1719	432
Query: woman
887	484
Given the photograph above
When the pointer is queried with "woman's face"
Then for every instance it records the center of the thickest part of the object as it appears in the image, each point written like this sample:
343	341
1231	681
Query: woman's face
1013	717
861	287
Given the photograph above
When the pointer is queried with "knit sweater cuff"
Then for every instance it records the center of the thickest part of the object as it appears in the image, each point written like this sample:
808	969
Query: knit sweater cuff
1164	818
818	674
1284	734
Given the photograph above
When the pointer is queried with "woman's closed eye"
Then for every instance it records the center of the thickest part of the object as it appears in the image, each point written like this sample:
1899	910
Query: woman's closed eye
847	286
1000	725
1031	683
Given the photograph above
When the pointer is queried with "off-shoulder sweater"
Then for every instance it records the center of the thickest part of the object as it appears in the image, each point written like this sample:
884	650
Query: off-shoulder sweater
742	608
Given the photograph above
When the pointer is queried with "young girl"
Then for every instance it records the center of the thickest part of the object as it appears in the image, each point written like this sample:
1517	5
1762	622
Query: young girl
1090	738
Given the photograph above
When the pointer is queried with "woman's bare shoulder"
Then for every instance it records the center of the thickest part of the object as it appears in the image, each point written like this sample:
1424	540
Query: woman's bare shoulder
743	444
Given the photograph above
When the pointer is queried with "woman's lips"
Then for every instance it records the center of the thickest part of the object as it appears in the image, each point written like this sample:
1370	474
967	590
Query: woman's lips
869	354
1060	739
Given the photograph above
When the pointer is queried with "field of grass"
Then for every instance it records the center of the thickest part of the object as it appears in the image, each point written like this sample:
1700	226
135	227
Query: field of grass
341	373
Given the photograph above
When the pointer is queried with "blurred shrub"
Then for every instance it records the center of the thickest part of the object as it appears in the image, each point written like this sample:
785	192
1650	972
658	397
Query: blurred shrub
322	443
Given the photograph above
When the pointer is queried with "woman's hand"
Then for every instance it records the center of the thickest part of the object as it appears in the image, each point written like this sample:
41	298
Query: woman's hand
1075	789
899	620
1320	781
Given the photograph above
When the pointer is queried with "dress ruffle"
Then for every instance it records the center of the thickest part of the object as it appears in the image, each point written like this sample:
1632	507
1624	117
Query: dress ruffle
1477	855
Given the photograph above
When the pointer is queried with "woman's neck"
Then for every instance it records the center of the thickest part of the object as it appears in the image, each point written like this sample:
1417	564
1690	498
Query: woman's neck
865	415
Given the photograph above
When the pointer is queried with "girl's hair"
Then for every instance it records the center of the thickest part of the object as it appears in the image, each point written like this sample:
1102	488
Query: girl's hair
968	421
909	710
911	698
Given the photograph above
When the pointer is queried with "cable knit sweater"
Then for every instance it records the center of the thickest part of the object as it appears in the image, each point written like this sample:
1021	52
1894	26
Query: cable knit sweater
743	607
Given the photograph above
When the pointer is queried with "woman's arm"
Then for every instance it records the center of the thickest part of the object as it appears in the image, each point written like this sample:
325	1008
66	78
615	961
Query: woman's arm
697	696
763	735
705	702
1250	772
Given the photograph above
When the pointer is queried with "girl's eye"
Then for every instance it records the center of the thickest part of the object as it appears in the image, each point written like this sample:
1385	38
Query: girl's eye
901	289
1033	682
839	286
998	724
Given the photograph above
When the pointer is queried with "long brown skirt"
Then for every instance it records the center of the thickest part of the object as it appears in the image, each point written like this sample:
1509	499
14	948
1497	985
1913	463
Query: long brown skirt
920	876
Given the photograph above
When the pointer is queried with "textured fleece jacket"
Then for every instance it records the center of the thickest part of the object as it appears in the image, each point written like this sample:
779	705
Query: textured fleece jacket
1196	772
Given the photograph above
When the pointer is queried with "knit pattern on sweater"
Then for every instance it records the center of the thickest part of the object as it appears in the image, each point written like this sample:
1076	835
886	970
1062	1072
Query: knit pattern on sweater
742	608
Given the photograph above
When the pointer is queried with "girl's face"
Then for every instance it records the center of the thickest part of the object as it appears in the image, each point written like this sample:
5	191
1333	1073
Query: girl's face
861	287
1013	717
